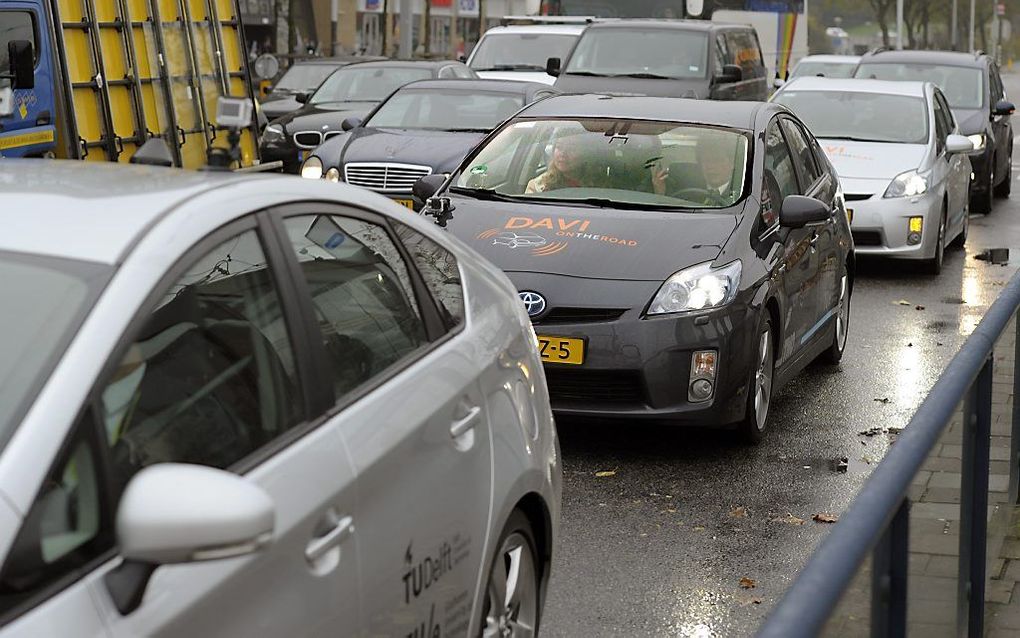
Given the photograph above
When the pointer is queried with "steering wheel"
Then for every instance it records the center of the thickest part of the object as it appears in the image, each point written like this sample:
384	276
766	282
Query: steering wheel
696	194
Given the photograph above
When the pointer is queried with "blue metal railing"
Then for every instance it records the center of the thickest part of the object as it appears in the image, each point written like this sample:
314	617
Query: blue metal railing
878	519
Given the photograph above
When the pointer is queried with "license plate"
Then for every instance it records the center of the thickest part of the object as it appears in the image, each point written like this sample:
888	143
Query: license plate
409	203
561	350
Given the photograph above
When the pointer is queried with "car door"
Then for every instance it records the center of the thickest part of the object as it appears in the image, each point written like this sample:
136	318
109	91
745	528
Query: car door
721	57
951	169
799	266
215	371
1000	123
420	441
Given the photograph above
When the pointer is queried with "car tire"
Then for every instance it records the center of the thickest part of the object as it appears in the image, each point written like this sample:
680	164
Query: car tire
1002	190
759	389
516	565
981	203
834	354
933	266
961	240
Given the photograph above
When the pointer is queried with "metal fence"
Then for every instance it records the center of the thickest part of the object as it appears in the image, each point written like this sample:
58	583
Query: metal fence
877	521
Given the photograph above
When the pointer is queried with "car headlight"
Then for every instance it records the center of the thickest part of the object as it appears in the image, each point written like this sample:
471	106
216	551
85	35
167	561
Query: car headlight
273	133
978	140
907	184
332	175
697	288
312	168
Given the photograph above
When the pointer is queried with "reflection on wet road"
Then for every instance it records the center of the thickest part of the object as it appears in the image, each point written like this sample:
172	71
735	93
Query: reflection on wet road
660	548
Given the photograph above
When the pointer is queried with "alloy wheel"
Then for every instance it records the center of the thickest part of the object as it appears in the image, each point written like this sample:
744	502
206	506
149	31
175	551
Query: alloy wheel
842	315
512	595
763	380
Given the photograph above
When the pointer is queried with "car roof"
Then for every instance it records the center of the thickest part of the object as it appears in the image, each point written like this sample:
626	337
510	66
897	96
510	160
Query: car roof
338	61
858	85
552	29
407	63
92	211
952	58
827	57
658	23
732	114
470	85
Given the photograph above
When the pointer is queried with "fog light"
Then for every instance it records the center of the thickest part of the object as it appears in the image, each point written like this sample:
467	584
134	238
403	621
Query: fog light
701	390
915	224
914	238
704	364
332	175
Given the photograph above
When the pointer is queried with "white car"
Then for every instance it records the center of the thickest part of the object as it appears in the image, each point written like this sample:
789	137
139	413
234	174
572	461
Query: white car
901	162
260	406
829	66
520	51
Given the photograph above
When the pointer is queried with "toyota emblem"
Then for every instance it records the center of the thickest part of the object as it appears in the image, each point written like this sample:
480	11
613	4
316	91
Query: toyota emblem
534	303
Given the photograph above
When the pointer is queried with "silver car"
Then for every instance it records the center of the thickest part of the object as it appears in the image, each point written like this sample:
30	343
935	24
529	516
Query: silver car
900	158
260	406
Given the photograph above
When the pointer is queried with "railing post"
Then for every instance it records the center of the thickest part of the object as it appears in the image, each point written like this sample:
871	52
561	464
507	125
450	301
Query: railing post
1014	440
889	577
977	428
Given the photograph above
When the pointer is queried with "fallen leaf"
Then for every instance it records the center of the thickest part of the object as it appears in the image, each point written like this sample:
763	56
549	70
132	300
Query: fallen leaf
699	528
904	302
789	519
747	583
825	518
605	473
918	307
739	512
882	399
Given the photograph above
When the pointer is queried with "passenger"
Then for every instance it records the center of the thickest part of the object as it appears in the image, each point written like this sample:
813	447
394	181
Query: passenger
571	166
712	181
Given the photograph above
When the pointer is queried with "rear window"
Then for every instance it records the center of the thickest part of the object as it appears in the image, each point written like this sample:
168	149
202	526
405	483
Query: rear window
44	303
862	117
367	84
15	25
963	86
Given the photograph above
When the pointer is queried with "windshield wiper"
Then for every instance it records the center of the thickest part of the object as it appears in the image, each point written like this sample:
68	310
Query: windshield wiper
514	67
851	138
481	193
605	202
590	74
468	130
644	75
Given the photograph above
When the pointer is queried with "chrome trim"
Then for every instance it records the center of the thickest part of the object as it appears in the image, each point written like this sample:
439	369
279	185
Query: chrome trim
385	177
318	135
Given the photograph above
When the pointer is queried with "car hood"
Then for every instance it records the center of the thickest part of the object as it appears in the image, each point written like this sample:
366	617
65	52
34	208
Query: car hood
518	76
697	88
971	121
872	160
593	243
280	105
442	150
324	117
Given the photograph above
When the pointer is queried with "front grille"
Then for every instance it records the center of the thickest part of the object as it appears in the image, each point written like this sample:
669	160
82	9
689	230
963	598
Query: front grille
307	139
575	385
385	177
580	315
328	135
867	238
857	197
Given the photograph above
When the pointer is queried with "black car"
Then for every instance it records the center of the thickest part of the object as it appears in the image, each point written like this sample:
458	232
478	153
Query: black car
973	87
669	58
302	77
351	91
675	259
424	128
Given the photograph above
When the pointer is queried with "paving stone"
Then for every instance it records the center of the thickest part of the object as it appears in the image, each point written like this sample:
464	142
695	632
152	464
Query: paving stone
944	479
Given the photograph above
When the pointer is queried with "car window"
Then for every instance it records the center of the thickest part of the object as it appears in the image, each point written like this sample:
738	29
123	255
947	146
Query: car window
445	110
439	269
210	377
859	116
358	83
998	92
68	525
15	25
801	149
778	161
744	52
963	85
520	51
721	55
942	127
671	53
361	294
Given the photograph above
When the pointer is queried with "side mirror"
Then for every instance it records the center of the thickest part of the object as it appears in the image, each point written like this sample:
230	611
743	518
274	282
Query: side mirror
426	187
350	123
154	152
730	73
778	82
462	58
1003	107
552	67
22	58
958	144
301	98
799	211
178	513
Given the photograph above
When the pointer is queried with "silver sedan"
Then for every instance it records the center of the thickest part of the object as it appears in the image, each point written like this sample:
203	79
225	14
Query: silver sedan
260	406
900	158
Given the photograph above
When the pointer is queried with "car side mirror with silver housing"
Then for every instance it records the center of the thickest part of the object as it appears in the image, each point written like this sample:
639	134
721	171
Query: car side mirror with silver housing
350	123
958	144
799	211
174	513
1003	107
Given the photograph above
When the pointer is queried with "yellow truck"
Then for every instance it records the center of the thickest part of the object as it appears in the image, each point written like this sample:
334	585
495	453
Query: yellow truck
107	75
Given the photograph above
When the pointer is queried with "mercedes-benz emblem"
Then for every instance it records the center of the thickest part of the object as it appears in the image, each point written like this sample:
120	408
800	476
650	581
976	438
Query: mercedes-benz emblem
534	303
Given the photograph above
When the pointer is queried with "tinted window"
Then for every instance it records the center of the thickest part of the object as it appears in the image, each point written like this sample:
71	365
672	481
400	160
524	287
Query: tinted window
864	117
778	161
520	51
361	294
360	84
744	52
303	77
672	53
963	86
942	124
802	154
445	110
15	25
439	269
210	376
52	297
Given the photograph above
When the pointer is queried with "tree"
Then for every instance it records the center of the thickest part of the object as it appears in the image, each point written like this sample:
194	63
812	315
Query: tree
881	8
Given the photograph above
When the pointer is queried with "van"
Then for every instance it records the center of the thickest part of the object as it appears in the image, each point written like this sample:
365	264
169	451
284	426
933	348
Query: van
666	58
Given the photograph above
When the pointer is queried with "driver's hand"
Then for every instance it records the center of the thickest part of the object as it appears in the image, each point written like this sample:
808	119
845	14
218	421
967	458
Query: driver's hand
659	175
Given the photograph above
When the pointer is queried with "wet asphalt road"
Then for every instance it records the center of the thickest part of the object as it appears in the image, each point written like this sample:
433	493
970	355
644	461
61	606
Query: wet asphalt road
660	547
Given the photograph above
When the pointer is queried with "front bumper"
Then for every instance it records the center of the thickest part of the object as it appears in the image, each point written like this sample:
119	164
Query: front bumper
284	151
880	226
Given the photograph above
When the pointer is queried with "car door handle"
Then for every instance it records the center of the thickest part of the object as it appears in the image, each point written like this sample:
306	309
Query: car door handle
814	238
320	545
463	425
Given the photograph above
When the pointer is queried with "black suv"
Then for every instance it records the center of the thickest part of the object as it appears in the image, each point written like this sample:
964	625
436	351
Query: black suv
973	87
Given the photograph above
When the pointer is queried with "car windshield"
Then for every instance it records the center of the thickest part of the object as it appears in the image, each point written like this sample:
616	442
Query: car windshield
371	84
303	77
670	53
52	297
963	86
858	116
520	51
825	69
636	164
446	110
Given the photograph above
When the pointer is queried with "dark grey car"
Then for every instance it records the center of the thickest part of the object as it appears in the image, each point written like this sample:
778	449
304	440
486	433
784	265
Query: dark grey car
302	77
